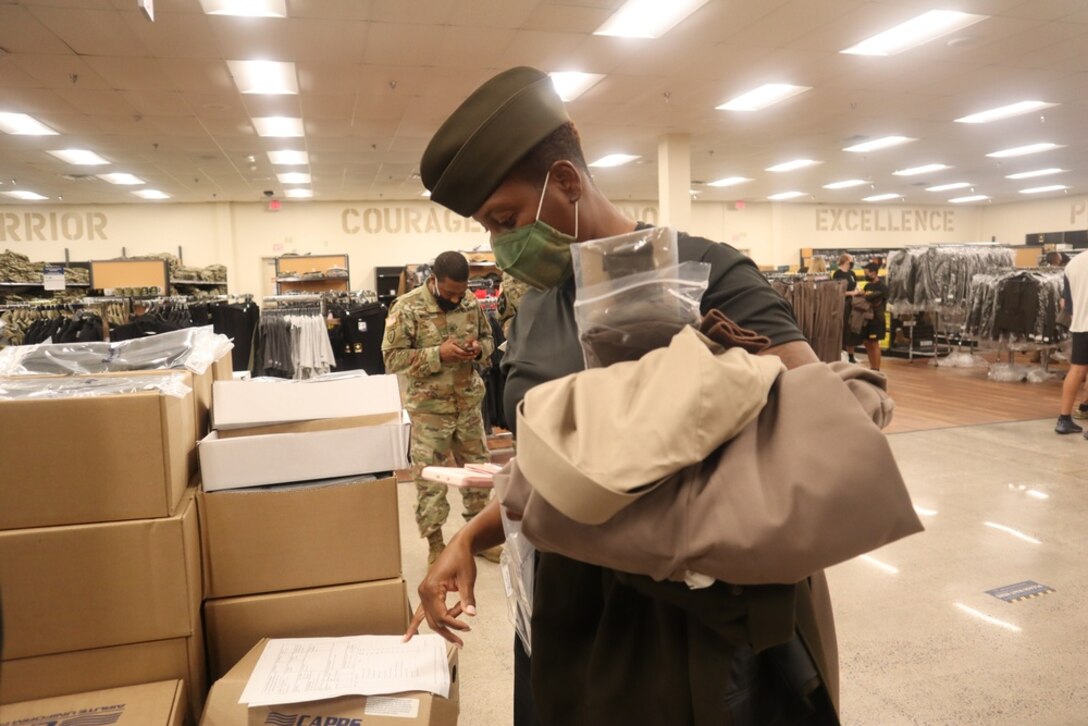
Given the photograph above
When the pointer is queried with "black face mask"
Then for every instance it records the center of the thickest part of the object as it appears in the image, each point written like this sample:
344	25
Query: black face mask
447	306
850	265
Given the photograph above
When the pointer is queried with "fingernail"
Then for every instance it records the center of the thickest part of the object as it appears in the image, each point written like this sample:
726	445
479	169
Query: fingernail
471	609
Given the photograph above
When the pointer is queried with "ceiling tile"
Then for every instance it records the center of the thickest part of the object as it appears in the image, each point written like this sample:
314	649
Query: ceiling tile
21	32
92	32
328	41
60	71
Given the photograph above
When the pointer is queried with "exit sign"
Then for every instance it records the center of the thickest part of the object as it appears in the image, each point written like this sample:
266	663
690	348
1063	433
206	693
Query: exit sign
274	205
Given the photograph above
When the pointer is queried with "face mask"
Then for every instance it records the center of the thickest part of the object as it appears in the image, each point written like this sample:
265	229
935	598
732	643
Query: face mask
536	253
849	265
447	306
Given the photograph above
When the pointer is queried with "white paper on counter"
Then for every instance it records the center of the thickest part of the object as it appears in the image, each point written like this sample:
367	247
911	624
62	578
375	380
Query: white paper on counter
296	670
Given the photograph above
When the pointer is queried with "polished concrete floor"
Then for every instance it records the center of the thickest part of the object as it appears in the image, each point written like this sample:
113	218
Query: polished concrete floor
920	640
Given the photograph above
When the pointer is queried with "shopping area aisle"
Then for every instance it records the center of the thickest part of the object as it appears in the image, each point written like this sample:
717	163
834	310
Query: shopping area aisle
920	640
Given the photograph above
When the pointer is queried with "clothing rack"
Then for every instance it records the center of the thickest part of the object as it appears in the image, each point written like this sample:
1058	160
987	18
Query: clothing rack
817	303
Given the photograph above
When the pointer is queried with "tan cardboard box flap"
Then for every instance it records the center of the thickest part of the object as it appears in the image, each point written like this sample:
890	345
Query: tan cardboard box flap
123	665
223	708
323	424
98	585
149	704
245	404
247	548
234	625
95	459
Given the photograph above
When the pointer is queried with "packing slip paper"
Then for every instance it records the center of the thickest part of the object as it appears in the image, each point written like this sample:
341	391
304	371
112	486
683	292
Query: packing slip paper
296	670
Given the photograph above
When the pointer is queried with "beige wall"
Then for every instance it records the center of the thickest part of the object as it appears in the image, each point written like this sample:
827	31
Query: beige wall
239	235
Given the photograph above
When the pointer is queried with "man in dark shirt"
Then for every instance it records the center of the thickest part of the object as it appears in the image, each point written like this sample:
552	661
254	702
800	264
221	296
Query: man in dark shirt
876	294
609	647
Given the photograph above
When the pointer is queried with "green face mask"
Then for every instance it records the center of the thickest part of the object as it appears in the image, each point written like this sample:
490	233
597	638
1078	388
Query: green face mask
536	253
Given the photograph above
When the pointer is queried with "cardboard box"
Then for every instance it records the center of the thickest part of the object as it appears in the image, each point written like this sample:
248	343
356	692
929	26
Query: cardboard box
242	404
97	585
223	708
94	459
252	543
245	461
150	704
60	674
234	625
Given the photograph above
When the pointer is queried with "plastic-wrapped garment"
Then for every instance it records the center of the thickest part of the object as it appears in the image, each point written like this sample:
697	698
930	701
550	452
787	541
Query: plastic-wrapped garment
167	384
901	274
1007	373
192	348
518	566
961	360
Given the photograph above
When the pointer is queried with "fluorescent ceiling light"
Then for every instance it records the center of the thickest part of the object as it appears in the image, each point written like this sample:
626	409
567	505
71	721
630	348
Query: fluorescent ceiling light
614	160
1041	190
881	143
121	178
151	194
294	177
924	169
972	198
572	84
272	78
288	157
881	197
948	187
995	114
1037	172
647	18
246	8
845	184
23	125
728	181
762	97
28	196
299	193
791	165
278	126
786	195
1023	150
80	157
914	32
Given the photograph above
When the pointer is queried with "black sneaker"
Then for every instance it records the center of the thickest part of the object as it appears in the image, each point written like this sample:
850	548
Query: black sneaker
1066	426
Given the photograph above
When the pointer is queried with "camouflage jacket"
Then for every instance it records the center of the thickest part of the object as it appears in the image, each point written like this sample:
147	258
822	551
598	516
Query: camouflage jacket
416	327
512	291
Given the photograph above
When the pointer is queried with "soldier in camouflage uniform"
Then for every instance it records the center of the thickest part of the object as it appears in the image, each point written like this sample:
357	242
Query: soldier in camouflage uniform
509	299
434	335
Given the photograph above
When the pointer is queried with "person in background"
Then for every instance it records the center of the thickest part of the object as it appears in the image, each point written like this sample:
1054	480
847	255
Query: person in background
512	291
876	294
434	336
1076	305
845	272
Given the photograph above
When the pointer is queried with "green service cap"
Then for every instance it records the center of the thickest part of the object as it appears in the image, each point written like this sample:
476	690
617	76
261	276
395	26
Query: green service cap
487	135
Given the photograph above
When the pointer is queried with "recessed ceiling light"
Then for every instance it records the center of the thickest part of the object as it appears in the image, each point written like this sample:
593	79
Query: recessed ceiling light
924	169
881	143
271	78
972	198
22	125
791	165
299	193
845	184
151	194
80	157
881	197
762	97
1023	150
785	195
572	84
614	160
647	18
278	126
1040	190
294	177
1037	172
1013	109
121	178
28	196
246	8
914	32
948	187
289	157
728	181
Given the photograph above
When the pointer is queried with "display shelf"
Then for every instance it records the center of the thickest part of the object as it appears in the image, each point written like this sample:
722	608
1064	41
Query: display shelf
312	279
294	266
202	283
42	284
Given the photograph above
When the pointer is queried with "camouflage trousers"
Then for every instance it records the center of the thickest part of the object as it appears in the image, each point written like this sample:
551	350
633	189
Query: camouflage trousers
434	438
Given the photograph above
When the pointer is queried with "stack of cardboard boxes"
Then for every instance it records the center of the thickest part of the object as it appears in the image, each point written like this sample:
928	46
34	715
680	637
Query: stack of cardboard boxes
100	565
300	538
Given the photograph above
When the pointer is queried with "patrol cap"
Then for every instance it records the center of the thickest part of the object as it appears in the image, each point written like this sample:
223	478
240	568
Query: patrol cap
482	140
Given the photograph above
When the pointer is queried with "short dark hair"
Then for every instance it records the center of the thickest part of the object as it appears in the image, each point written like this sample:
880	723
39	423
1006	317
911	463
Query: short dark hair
873	267
562	144
450	265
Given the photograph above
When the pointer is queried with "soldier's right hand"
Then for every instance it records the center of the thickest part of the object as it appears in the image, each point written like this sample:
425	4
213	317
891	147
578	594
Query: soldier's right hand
453	572
450	351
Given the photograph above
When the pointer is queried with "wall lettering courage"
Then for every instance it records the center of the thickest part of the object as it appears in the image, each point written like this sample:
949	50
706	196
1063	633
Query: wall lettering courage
1078	210
885	220
53	226
405	220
